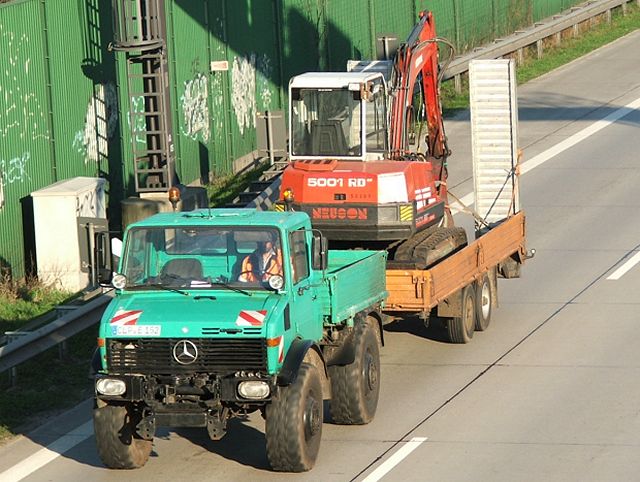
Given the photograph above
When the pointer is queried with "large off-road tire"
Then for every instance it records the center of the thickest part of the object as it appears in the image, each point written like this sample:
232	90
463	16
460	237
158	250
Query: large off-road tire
118	445
355	388
294	423
484	303
461	328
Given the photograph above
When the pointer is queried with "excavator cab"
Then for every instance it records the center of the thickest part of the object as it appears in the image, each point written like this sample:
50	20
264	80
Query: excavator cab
338	116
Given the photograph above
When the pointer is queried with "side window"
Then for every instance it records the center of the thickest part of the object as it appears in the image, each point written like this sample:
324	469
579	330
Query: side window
299	255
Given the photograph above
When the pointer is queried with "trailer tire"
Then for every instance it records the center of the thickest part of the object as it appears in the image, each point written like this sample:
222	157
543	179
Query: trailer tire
119	447
355	388
484	303
461	327
294	423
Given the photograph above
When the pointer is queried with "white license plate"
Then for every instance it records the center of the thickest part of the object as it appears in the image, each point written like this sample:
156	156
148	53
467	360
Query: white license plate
136	330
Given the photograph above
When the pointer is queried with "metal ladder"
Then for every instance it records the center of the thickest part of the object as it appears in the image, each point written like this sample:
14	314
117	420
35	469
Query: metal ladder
494	121
140	32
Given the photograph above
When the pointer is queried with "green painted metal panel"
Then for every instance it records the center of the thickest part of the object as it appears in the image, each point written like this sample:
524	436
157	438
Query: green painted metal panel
25	151
394	17
253	44
50	71
349	32
189	60
304	36
220	106
444	15
79	120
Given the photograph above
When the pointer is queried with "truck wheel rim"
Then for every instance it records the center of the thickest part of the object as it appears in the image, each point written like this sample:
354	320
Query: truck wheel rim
311	417
468	316
485	301
371	372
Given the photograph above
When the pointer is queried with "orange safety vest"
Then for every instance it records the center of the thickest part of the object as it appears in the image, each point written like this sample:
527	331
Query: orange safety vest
251	266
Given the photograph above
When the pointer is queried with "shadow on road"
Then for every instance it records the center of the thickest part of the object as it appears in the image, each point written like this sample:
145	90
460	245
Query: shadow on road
435	331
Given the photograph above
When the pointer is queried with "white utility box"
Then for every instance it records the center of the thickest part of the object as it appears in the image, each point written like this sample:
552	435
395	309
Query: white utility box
56	209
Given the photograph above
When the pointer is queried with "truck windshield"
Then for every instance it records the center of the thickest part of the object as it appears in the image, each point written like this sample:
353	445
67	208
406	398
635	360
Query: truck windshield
201	257
326	122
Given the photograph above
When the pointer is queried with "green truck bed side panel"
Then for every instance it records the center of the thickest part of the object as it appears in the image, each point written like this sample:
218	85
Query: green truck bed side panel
355	280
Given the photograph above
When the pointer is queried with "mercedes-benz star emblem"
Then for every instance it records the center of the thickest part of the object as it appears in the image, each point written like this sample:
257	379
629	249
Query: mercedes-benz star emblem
185	352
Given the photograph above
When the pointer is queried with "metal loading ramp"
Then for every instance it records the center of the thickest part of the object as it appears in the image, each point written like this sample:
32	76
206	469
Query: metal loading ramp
494	114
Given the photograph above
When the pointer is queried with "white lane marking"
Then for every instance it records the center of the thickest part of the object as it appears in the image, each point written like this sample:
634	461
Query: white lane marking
544	156
579	136
621	271
395	459
43	456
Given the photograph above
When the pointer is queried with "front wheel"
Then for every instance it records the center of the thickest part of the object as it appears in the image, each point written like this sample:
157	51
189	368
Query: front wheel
355	388
118	444
461	328
294	423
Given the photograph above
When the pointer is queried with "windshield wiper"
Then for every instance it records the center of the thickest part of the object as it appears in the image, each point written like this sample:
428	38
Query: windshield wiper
162	287
229	287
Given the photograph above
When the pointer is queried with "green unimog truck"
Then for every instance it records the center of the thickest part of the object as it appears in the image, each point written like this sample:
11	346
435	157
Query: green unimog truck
223	312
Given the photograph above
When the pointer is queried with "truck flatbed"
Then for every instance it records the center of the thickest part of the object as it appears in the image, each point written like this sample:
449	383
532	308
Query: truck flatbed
422	290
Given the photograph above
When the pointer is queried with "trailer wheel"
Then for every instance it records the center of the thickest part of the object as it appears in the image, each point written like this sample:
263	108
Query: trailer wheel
461	327
294	423
355	388
484	303
119	447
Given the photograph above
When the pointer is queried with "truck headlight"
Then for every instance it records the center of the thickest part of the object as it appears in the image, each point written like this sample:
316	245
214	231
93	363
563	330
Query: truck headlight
110	386
119	281
253	389
276	282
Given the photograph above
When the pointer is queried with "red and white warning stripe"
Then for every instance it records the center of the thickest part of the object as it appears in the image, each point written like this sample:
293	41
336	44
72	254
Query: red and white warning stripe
281	350
251	318
123	317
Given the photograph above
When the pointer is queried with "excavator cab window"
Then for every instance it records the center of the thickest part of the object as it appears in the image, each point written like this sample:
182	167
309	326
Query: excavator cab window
325	123
375	111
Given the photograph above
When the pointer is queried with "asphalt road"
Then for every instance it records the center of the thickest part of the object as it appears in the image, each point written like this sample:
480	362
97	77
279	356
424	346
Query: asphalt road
550	392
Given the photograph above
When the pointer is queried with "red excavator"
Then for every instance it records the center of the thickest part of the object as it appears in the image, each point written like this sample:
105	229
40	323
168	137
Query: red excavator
359	164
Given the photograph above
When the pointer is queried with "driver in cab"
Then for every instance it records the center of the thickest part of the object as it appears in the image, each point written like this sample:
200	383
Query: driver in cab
263	263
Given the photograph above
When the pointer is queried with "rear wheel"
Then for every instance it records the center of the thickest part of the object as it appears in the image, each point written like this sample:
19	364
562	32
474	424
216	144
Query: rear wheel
294	423
461	328
118	444
484	303
355	388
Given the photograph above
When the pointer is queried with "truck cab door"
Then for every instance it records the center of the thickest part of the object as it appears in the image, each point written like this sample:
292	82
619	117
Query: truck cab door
304	308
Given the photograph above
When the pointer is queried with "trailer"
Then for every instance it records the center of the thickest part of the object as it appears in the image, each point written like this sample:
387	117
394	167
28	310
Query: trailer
463	287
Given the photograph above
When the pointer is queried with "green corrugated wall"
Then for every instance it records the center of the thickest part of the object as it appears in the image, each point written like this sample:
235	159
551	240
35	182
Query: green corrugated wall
64	102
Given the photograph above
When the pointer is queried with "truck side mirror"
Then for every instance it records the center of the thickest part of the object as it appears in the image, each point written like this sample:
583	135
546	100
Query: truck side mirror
320	251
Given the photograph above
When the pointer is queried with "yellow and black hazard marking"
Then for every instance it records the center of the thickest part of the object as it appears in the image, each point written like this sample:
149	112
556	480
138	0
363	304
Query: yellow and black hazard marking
406	212
278	207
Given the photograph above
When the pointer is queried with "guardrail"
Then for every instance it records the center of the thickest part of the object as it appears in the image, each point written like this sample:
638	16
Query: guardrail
535	35
32	343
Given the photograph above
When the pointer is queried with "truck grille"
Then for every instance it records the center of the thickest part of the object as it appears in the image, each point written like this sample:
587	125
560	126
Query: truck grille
214	355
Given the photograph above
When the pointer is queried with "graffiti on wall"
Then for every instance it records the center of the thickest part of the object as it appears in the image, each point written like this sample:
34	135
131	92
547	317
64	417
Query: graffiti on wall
101	122
243	93
250	75
136	120
264	71
22	117
195	108
15	170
